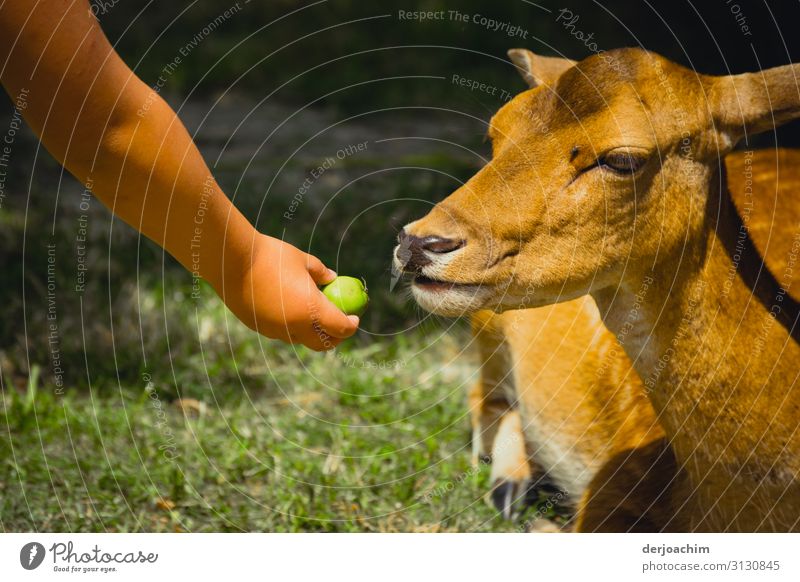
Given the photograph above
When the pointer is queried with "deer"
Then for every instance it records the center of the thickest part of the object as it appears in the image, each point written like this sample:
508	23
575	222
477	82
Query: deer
616	177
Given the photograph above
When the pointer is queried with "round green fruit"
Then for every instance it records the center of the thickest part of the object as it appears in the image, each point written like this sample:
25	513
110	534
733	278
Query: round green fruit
348	294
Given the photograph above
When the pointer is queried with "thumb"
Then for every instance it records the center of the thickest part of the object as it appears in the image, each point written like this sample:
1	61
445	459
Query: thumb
318	271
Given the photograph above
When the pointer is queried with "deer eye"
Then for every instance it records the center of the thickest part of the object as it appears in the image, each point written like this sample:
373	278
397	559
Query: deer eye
622	162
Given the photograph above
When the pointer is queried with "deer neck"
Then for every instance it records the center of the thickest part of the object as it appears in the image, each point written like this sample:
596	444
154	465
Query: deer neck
709	335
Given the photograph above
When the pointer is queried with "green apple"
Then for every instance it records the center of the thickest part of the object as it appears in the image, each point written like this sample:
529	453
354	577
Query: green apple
348	294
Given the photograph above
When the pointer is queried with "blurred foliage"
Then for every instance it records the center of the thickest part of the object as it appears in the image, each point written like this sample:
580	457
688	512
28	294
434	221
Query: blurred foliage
308	49
271	92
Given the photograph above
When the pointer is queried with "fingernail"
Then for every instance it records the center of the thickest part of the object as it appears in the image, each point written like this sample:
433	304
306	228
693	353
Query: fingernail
332	273
354	319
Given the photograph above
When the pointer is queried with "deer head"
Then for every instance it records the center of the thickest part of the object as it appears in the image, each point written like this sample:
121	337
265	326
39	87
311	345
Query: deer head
602	170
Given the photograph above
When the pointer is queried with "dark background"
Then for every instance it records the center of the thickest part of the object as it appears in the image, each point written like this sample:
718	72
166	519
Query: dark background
704	35
274	90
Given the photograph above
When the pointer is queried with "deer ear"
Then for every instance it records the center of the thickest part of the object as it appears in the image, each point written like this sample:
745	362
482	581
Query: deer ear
538	70
754	102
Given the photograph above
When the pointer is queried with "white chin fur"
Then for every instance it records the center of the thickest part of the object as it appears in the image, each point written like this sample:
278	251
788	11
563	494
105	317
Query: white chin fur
452	302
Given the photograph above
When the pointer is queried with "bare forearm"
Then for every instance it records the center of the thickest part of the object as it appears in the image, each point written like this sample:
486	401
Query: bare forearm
115	134
150	173
121	139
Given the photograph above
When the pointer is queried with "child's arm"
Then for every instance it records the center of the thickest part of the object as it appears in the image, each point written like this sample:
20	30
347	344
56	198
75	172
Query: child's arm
114	132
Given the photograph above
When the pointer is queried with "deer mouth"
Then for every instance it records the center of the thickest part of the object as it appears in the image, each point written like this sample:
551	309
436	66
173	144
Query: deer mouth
438	295
449	298
433	285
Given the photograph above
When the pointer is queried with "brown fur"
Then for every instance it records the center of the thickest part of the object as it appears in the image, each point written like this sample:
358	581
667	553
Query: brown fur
710	331
560	376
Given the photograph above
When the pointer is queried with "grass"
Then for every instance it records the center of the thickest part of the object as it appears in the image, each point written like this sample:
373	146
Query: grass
370	438
374	437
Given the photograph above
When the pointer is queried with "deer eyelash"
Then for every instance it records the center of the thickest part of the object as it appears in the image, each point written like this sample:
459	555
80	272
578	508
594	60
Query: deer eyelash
622	163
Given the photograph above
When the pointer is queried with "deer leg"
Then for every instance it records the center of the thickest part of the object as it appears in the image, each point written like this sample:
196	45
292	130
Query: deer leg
497	438
633	492
511	468
485	415
497	435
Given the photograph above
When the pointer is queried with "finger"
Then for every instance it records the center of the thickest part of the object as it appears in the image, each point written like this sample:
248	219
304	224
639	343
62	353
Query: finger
323	346
319	341
318	271
334	322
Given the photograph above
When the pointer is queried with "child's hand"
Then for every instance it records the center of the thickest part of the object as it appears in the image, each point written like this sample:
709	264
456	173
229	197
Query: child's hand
279	298
146	169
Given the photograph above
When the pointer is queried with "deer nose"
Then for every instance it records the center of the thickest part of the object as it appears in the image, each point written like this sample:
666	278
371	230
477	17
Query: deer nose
440	245
412	251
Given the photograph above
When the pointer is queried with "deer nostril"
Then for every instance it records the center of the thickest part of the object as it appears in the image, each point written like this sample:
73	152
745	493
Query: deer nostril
439	245
412	250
